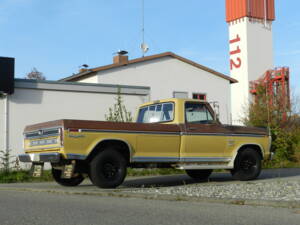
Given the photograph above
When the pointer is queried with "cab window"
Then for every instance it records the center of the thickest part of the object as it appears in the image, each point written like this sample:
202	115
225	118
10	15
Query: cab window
156	113
197	113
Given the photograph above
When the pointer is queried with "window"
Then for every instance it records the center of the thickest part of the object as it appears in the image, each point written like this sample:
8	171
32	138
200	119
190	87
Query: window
199	96
197	113
156	113
180	94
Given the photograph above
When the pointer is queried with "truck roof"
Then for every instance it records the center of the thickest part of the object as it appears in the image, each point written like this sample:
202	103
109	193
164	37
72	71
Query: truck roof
172	100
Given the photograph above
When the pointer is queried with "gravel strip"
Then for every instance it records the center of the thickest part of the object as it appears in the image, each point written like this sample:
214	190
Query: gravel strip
280	190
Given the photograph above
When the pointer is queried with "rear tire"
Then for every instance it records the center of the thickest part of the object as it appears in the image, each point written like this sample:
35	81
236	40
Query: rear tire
73	181
199	174
108	169
247	165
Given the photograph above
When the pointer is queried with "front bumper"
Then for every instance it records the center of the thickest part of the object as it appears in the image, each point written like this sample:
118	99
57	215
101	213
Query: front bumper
272	155
40	157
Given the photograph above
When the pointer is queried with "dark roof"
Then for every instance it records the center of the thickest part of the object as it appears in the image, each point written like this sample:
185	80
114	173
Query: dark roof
90	72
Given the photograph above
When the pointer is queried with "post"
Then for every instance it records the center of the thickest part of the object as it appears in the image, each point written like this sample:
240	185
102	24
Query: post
265	8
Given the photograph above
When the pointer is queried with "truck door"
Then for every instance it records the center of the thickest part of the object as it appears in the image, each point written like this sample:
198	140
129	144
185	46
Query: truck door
161	142
204	138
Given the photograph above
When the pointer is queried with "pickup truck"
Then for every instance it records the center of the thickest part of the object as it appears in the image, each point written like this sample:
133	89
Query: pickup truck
172	133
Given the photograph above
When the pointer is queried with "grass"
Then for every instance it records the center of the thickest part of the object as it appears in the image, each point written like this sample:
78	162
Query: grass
282	164
23	176
152	172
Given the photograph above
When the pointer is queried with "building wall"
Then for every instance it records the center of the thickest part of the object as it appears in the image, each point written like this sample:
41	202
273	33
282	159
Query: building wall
92	79
253	58
2	124
39	102
166	75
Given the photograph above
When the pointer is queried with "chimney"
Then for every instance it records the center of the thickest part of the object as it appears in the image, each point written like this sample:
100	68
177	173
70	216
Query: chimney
121	58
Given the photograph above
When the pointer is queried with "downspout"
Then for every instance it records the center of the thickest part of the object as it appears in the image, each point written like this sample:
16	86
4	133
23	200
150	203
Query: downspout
6	128
265	6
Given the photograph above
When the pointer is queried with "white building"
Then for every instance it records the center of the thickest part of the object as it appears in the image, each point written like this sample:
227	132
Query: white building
89	94
40	101
168	75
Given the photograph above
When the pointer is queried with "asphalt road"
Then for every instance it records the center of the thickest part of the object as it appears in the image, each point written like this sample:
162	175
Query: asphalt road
49	203
29	208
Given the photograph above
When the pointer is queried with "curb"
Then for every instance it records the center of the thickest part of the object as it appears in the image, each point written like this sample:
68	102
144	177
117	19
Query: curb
124	194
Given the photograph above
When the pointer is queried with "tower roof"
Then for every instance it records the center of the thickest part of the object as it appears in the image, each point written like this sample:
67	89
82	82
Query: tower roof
258	9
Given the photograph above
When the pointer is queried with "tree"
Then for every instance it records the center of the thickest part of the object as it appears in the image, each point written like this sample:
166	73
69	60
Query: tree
285	131
5	161
118	113
35	75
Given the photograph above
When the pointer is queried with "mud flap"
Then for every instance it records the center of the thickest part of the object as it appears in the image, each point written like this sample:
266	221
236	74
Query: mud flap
37	169
68	170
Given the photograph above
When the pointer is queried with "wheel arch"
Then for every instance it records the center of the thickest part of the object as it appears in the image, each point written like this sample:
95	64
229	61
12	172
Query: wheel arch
257	147
122	146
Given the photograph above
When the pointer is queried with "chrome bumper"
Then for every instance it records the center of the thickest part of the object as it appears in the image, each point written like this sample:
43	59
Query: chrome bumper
40	157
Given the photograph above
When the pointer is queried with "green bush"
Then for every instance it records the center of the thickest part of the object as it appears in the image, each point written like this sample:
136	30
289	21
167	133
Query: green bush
284	144
118	113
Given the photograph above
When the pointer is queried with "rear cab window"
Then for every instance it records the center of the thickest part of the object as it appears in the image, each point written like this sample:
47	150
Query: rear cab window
156	113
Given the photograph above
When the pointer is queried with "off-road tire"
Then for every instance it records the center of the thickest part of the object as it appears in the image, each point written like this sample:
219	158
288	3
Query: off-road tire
199	174
247	165
108	169
73	181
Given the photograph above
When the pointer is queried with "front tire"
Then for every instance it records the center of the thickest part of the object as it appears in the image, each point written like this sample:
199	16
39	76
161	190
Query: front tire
199	174
108	169
71	182
247	165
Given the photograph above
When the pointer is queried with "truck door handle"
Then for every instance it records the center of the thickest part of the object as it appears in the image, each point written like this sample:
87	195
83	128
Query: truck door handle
192	128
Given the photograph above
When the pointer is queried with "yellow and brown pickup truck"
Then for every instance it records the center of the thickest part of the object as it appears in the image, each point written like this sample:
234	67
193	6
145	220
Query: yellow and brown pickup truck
172	133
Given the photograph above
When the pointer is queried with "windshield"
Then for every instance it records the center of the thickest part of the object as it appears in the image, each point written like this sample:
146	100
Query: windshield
156	113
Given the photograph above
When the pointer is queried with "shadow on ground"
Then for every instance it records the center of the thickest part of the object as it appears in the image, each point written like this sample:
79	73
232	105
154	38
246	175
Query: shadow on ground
177	180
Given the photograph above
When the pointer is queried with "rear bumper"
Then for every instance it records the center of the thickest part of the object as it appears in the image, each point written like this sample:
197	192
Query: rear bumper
40	157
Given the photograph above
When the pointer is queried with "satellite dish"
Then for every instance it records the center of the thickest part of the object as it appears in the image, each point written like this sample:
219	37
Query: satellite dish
144	47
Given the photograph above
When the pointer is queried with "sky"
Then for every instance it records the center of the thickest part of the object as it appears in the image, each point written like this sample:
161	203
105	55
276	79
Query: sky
58	36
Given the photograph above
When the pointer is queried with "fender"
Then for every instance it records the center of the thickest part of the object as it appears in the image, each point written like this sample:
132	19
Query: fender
113	139
231	163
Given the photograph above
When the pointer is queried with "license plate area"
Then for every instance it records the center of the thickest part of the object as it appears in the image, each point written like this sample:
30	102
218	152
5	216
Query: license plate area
41	142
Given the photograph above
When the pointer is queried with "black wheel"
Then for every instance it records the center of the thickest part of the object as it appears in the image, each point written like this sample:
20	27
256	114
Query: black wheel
247	165
74	181
108	169
199	174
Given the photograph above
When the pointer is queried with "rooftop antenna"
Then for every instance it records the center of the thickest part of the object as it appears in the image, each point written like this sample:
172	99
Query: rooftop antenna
144	46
